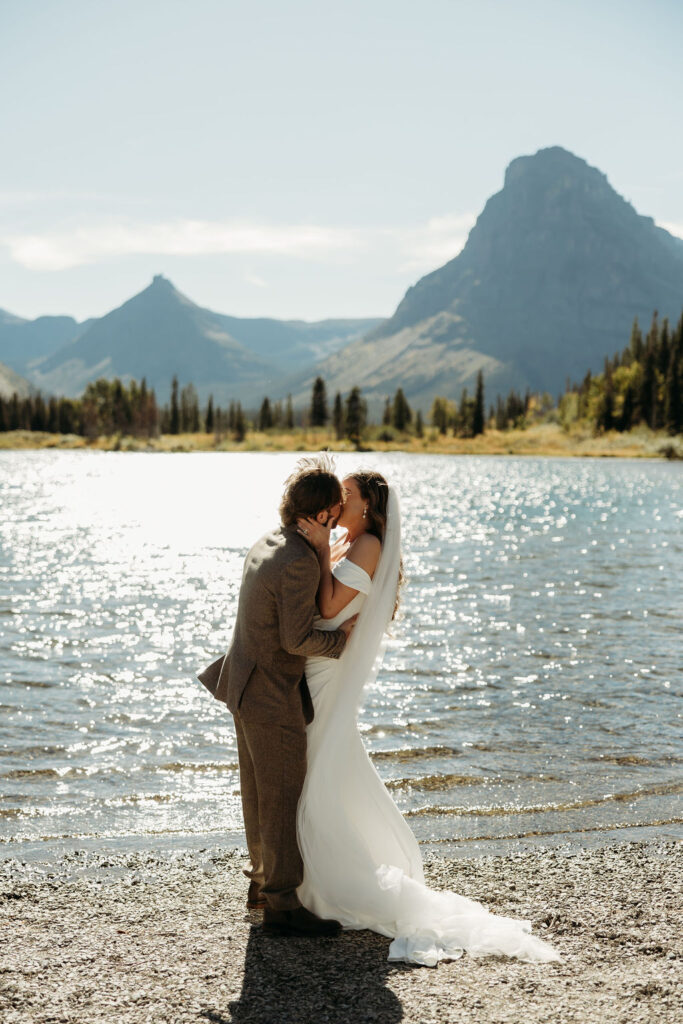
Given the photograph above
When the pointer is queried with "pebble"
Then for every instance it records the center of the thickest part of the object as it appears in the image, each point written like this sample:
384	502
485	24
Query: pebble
148	937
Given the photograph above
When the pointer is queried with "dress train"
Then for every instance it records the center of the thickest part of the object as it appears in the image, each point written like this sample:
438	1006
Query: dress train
362	863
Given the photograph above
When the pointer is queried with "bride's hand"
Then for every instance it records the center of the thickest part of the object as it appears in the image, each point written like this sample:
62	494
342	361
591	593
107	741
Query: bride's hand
315	533
339	549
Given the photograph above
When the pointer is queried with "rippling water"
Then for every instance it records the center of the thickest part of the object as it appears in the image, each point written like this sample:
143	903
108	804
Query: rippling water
530	690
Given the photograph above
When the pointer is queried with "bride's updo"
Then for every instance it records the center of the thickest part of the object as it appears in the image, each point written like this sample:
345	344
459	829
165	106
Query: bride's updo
375	490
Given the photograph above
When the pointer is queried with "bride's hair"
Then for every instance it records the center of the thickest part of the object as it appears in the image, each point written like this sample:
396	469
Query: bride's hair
375	490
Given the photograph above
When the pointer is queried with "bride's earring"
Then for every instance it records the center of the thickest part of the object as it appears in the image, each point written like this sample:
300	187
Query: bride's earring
365	512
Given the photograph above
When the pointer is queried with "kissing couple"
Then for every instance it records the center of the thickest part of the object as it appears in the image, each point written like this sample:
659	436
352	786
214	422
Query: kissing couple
327	844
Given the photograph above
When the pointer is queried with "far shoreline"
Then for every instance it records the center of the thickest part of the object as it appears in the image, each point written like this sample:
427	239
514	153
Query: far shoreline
546	439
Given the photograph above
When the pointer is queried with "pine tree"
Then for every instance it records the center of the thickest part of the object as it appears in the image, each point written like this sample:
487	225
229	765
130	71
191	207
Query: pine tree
141	412
636	342
189	410
626	418
584	394
401	413
13	414
673	383
501	421
464	427
120	408
478	411
240	427
152	426
653	333
419	424
319	411
134	403
386	415
53	415
174	426
338	416
354	420
38	414
265	416
209	418
289	414
26	413
515	409
606	414
663	348
439	414
648	388
66	419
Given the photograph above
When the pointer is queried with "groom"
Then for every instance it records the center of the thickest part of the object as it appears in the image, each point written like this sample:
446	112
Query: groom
261	679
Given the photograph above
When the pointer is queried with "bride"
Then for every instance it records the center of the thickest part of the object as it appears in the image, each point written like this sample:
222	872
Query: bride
362	864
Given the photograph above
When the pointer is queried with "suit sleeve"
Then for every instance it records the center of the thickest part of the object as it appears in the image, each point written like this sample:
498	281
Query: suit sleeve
296	612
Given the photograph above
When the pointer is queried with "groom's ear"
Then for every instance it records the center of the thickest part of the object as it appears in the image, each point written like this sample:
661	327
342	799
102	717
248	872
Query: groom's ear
322	517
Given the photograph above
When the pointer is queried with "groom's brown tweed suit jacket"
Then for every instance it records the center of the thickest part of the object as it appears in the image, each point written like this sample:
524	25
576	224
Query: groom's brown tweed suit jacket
262	675
261	679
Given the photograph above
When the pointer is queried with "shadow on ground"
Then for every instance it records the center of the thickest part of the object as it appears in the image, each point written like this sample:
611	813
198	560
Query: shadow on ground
322	981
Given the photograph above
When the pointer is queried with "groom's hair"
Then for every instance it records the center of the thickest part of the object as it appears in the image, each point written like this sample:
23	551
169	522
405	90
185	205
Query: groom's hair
311	488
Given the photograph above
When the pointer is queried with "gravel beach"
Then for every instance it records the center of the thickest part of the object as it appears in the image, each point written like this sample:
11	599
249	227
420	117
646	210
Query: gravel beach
149	938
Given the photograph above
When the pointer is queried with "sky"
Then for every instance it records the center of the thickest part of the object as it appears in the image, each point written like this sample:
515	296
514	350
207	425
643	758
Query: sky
305	160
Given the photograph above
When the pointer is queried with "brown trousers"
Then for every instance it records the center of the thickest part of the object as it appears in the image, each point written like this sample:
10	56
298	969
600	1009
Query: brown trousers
272	761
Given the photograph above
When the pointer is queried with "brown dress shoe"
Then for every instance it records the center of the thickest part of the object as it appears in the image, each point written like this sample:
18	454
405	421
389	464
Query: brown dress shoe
298	922
255	898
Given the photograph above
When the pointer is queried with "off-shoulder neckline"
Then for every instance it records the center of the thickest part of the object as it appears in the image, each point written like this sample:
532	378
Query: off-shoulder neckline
355	565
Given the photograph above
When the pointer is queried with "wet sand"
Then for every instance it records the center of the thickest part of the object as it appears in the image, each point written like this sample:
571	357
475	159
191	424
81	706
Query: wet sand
155	938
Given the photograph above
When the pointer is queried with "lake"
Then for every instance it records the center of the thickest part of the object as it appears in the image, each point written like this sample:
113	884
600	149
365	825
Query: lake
530	692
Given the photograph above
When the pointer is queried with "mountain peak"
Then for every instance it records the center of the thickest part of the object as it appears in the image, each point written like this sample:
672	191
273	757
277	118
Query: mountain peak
161	293
551	165
161	283
552	275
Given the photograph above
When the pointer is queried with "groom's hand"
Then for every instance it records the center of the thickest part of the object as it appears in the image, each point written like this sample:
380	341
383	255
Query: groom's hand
347	627
317	534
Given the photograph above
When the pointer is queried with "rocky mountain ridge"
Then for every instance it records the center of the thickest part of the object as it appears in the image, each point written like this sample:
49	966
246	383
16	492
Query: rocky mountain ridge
158	333
552	275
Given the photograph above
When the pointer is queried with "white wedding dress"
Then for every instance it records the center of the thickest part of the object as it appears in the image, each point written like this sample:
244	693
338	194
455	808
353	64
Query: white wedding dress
362	863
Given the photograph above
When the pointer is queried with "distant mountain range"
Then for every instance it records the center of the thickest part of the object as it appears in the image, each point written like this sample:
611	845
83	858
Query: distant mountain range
552	275
159	333
25	341
10	381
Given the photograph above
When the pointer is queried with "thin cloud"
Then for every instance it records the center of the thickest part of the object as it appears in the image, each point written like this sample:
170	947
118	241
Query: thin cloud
674	229
254	279
411	250
66	249
442	238
12	198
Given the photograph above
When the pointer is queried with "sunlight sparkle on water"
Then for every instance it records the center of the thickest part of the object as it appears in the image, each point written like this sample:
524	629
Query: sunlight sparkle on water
536	648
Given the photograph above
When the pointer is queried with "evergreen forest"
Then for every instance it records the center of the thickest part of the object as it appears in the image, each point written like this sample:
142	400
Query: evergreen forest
642	384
